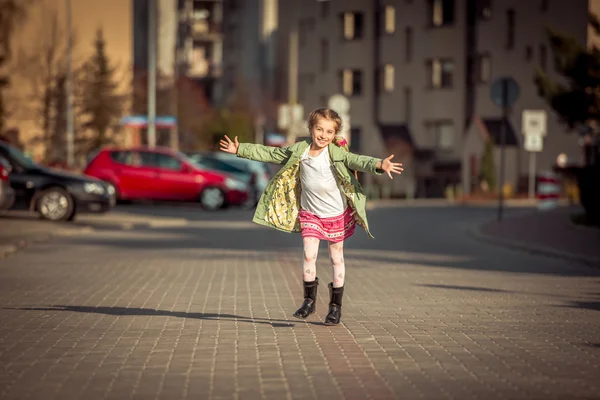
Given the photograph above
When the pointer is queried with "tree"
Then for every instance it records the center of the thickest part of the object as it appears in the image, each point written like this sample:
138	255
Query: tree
101	104
576	98
488	169
42	68
12	13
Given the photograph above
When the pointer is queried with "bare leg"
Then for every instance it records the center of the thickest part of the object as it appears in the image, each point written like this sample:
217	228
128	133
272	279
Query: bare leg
309	264
336	255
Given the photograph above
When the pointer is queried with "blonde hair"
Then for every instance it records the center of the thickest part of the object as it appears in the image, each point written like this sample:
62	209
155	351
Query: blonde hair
326	113
334	117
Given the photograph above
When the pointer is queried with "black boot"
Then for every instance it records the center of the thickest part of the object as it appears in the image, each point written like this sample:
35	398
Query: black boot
309	305
335	305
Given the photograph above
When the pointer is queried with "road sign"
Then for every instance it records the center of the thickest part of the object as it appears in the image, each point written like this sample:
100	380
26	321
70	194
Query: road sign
141	121
339	104
534	122
288	114
504	91
534	142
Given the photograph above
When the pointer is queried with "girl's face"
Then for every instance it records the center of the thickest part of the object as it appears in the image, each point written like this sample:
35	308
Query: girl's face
322	133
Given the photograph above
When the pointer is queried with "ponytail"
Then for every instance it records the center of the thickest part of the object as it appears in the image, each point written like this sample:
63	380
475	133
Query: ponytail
343	143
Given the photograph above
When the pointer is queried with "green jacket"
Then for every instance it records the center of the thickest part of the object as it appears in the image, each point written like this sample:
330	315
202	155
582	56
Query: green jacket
279	204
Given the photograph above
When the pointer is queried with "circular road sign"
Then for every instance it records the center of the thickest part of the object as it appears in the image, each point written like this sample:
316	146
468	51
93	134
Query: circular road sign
504	91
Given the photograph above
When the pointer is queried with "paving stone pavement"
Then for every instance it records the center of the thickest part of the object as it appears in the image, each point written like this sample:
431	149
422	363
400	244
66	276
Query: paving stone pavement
203	311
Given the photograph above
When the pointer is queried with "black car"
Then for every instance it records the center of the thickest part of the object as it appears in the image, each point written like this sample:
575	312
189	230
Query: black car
56	196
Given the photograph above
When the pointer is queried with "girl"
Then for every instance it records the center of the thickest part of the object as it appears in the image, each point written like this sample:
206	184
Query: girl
317	194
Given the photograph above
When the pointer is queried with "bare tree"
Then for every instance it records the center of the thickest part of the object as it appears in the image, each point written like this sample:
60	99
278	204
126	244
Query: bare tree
43	69
12	13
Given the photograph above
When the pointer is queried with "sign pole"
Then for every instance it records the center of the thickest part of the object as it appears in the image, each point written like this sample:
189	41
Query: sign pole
531	174
504	92
502	147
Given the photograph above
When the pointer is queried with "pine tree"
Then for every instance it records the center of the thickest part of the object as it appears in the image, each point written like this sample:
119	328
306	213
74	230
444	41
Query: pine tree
102	105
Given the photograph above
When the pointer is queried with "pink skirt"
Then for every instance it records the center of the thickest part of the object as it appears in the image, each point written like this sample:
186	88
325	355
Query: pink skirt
332	229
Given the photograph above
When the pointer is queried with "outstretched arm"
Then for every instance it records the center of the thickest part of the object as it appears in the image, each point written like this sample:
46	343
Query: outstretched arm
257	152
373	165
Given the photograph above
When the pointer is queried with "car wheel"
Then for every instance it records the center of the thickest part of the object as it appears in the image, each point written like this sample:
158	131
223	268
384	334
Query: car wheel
212	198
114	197
55	204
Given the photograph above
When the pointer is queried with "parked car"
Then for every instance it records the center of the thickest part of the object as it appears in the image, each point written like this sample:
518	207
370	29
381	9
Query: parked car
162	174
56	196
260	171
210	162
7	193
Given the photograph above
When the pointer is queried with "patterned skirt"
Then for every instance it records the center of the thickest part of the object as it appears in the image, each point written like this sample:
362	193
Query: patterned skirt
332	229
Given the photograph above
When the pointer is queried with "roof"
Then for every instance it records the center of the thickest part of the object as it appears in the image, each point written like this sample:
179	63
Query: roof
395	132
494	126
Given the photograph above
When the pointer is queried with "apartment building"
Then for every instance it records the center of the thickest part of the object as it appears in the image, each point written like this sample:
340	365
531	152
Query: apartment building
189	42
249	54
417	74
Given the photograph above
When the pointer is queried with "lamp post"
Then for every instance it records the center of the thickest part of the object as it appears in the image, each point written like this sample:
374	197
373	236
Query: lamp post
69	90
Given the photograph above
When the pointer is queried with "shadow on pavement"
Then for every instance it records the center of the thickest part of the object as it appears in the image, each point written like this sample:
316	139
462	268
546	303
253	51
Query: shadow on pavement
149	312
586	305
470	288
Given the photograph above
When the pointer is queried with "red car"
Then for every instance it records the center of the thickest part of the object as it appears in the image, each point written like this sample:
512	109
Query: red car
7	194
162	174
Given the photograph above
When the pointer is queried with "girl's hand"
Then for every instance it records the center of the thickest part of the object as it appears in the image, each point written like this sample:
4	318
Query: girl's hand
388	166
228	146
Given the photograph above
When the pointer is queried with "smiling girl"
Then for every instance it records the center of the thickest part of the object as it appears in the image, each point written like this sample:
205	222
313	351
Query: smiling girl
317	194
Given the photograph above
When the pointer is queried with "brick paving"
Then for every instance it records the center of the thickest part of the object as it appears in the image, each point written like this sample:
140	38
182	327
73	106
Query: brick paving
198	311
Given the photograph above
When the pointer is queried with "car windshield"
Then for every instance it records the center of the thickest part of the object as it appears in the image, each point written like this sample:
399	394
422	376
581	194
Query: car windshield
186	158
20	158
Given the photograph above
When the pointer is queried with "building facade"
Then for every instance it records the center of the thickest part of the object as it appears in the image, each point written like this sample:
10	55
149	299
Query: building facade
189	43
417	72
249	57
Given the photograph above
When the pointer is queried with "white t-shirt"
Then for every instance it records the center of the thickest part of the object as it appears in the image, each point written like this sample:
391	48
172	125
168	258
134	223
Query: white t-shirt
321	194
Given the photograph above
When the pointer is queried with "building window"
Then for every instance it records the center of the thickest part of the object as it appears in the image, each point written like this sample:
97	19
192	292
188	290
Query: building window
305	26
352	25
442	134
408	45
441	12
485	9
325	9
440	73
305	81
351	82
407	105
484	68
324	55
389	73
528	53
543	57
355	135
390	19
510	29
323	101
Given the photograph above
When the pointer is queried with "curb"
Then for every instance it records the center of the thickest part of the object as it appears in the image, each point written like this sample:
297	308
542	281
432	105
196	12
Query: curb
6	250
9	249
475	233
